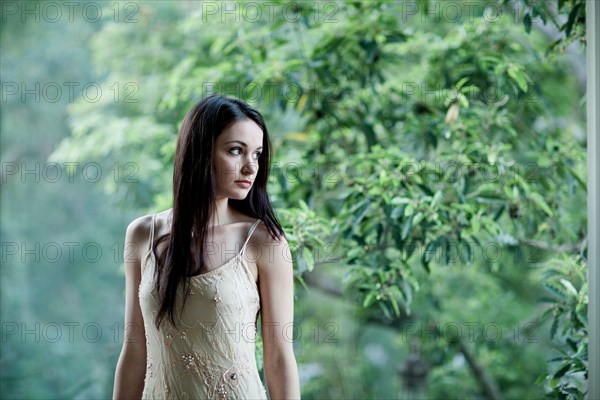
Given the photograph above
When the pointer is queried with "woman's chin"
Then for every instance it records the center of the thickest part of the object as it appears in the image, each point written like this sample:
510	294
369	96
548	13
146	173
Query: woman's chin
241	195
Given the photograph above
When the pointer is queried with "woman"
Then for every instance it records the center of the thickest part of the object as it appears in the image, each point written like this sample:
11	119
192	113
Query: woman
191	308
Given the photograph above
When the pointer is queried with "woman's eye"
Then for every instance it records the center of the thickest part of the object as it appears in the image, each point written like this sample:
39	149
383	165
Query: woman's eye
236	151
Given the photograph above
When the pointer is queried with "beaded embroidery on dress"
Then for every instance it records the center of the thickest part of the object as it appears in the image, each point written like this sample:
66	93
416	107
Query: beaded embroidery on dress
212	355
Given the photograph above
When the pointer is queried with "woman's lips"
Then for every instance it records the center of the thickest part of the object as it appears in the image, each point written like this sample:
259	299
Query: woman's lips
245	184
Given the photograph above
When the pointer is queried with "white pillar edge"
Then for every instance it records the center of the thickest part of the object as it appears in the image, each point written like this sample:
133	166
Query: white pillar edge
593	196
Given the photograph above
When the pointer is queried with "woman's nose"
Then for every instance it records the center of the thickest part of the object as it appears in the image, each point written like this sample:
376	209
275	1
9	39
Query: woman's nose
250	166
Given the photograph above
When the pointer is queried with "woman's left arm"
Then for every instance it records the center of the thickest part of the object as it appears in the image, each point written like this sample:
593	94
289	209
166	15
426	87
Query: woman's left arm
276	285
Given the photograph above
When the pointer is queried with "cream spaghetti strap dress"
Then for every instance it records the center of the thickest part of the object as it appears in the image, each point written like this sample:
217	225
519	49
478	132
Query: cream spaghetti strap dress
212	353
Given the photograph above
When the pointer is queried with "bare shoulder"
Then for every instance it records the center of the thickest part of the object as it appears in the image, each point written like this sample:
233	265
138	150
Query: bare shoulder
138	235
262	236
271	251
139	228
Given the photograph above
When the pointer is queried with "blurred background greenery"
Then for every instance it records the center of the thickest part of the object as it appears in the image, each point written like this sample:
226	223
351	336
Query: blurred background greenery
429	171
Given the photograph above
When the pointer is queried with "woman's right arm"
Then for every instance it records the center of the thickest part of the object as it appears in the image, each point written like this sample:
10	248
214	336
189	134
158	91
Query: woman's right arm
131	368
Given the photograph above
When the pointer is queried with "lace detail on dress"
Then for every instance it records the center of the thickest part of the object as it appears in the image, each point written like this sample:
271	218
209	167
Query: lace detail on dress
212	353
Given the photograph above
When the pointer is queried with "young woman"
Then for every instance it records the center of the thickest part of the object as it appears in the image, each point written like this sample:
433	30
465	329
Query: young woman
198	274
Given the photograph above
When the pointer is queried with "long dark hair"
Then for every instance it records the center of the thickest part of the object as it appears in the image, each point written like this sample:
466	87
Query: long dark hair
194	195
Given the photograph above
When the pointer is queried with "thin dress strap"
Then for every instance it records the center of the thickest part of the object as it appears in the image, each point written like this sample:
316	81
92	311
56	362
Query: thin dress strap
250	232
151	233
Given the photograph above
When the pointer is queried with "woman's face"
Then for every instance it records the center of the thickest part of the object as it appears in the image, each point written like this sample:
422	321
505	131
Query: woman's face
236	155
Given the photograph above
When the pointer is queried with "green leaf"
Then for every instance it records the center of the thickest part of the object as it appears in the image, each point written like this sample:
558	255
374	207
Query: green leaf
461	82
400	200
291	237
527	22
410	208
467	252
569	286
518	76
546	313
541	203
568	26
562	371
309	258
407	291
556	291
395	305
301	281
431	249
406	228
369	299
553	328
362	213
499	212
385	309
549	273
475	225
436	199
303	205
300	263
397	212
418	218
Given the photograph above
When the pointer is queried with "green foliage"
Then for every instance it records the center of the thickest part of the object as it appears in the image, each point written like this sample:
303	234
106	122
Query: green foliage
53	294
304	230
414	147
566	283
568	16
